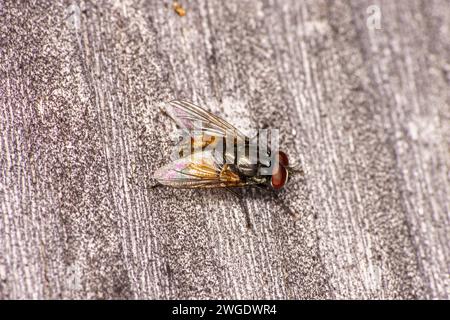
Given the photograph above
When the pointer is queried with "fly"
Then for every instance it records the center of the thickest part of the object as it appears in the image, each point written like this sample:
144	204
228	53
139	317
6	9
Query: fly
217	155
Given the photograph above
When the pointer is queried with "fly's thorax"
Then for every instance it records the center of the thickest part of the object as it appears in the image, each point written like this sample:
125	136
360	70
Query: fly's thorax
248	170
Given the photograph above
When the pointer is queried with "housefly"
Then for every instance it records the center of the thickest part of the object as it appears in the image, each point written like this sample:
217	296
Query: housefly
217	155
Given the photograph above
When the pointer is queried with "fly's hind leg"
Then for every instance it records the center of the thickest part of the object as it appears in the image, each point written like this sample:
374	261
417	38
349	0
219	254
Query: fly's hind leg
154	186
234	192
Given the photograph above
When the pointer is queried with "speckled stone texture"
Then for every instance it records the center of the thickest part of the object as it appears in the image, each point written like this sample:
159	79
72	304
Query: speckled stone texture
366	112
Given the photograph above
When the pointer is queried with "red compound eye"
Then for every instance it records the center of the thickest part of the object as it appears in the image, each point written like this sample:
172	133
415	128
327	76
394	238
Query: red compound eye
283	159
279	178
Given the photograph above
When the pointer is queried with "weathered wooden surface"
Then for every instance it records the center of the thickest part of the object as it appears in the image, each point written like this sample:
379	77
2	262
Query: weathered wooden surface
366	111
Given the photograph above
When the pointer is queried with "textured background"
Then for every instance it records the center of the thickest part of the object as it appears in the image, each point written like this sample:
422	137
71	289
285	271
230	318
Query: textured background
366	112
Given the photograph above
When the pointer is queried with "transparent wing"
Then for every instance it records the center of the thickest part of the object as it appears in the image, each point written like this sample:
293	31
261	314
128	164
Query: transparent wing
198	170
186	115
196	142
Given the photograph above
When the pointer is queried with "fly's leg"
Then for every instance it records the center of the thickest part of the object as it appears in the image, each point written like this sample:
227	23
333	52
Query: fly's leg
285	207
248	222
234	192
223	170
154	186
244	207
